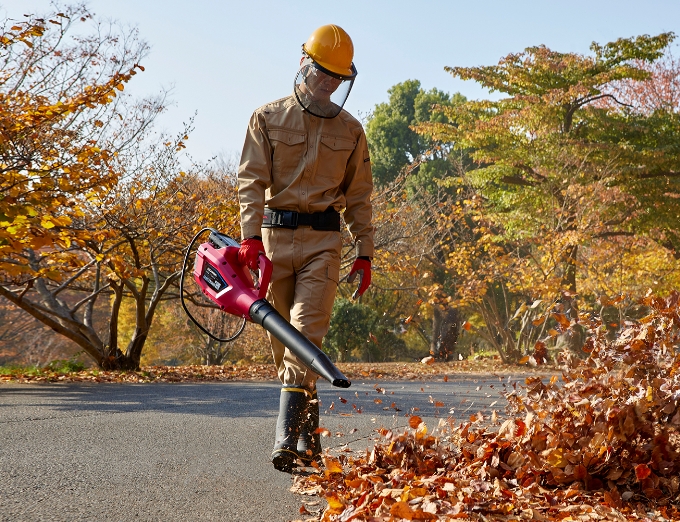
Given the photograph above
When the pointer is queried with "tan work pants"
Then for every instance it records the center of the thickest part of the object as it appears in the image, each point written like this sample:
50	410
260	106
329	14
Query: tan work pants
303	286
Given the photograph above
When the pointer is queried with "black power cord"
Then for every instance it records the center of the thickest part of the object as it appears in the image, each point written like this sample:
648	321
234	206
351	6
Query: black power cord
181	291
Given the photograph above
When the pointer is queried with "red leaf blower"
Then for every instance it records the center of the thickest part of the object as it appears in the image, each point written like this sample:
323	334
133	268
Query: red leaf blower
230	285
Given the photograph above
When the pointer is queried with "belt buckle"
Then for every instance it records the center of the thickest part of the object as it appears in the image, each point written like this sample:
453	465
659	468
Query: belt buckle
271	218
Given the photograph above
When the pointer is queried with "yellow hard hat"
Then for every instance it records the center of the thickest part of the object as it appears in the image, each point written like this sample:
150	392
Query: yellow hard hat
331	48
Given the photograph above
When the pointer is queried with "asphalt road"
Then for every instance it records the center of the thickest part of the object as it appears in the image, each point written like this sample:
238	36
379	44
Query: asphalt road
188	452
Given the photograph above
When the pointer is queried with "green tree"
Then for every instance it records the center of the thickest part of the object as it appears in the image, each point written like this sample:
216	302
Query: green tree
358	332
416	174
393	143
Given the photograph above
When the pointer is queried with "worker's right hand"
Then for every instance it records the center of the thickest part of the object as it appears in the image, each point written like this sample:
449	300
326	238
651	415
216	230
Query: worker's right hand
250	251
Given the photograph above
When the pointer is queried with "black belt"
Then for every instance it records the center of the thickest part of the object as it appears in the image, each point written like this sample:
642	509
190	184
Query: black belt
328	220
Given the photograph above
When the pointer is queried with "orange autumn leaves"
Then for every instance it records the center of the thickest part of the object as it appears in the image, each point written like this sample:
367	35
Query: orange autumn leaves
51	161
599	443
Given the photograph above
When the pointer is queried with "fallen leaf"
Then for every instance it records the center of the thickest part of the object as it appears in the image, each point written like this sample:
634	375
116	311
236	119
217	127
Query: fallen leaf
402	510
332	464
642	472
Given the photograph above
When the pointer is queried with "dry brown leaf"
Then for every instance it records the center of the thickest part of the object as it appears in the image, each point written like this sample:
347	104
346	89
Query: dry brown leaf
414	421
402	510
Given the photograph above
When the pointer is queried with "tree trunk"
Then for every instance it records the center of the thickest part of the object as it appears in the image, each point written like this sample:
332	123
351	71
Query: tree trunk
496	331
445	328
569	278
64	326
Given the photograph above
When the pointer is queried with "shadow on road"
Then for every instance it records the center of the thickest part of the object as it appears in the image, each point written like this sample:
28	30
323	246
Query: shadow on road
460	398
228	399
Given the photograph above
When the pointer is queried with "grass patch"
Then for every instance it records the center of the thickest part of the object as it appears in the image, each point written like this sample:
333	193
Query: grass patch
14	370
58	366
65	366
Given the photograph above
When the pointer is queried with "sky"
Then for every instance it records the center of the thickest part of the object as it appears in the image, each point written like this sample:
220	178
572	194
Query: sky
223	59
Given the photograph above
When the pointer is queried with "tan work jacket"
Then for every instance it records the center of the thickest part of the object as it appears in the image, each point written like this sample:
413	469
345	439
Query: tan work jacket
295	161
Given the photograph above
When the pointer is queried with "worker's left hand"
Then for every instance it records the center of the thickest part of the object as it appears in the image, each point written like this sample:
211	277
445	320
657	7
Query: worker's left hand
250	251
361	266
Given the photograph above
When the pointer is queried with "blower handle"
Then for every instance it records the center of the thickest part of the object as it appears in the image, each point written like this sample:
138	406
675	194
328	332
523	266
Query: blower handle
265	268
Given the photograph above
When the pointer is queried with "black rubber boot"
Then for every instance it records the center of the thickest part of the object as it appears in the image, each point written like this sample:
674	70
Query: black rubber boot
309	443
292	408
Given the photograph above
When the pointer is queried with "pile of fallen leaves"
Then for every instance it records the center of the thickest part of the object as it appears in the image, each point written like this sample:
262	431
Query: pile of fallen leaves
601	443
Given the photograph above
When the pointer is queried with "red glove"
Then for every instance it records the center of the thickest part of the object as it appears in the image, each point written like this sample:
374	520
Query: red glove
361	266
250	251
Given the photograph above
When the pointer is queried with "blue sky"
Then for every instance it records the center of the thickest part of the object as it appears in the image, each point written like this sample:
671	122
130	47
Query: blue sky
223	59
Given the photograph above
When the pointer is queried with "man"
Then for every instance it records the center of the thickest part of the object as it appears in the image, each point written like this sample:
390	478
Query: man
304	160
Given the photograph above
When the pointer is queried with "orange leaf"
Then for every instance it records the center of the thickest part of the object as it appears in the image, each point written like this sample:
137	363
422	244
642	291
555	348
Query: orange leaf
467	326
354	483
539	321
414	421
332	464
334	501
557	459
563	320
428	360
642	471
580	472
402	510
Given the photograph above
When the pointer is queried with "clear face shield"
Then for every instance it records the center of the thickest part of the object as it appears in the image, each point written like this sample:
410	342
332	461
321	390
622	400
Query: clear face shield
320	91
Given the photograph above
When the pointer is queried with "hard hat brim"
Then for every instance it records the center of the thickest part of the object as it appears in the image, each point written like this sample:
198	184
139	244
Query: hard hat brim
344	74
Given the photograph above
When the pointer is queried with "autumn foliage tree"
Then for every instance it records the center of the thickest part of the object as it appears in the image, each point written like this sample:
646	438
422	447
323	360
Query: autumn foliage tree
405	289
57	127
576	188
94	207
411	172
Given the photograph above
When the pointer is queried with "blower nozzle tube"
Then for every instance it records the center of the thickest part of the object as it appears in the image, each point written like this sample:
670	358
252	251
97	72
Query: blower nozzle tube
264	314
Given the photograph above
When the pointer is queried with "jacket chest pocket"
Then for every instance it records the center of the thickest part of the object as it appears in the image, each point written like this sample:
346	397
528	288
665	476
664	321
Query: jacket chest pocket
288	149
334	154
